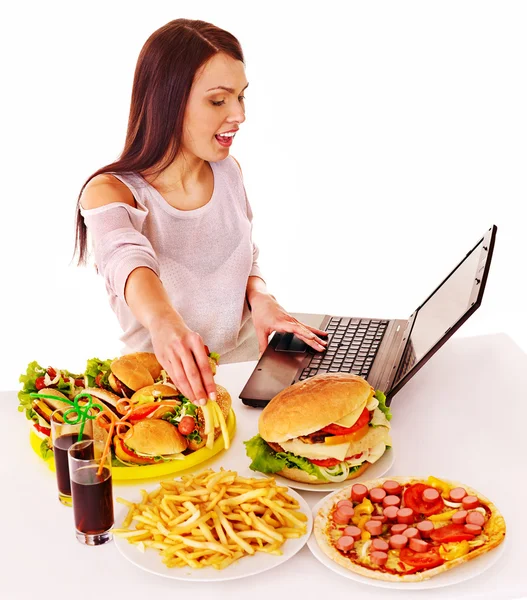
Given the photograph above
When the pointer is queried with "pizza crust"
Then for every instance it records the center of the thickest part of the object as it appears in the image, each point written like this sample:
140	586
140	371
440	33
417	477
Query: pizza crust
494	529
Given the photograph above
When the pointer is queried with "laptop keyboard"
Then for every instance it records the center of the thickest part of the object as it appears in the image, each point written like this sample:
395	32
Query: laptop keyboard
352	346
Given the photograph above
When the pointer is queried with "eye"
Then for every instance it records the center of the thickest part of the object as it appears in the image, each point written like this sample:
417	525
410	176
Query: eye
241	98
220	103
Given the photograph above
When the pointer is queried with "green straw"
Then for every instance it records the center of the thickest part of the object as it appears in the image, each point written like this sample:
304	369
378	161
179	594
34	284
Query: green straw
82	411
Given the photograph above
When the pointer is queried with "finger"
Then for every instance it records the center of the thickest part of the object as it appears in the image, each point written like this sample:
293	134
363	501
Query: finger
202	361
263	340
177	374
317	331
193	375
302	332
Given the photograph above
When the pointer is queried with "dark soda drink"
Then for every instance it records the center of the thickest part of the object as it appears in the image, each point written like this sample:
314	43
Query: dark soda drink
61	445
92	499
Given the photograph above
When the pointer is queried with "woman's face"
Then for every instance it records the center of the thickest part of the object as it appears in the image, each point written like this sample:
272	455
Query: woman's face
213	110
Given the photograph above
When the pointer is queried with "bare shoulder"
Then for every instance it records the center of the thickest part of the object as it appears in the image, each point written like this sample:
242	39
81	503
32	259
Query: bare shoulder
237	164
105	189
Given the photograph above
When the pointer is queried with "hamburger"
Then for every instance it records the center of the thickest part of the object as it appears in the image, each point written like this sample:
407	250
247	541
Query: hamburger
180	417
328	428
131	372
150	441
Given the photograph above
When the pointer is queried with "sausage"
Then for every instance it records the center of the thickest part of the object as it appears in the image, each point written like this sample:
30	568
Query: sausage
345	503
405	515
379	558
391	501
353	532
475	518
378	544
392	487
459	517
398	541
358	492
390	512
346	510
340	518
377	494
374	527
470	502
472	529
457	494
418	545
411	532
345	543
381	518
425	528
430	495
396	529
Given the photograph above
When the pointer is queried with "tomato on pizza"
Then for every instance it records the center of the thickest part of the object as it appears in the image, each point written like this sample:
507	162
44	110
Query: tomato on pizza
407	529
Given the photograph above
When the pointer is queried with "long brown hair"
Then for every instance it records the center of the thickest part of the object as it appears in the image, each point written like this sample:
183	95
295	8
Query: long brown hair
164	73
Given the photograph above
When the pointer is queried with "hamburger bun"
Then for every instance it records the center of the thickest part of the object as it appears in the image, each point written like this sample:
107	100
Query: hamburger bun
148	360
153	393
224	401
303	477
308	406
155	437
106	396
131	372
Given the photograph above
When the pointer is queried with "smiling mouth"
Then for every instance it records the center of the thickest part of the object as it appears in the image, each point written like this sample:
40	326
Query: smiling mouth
226	136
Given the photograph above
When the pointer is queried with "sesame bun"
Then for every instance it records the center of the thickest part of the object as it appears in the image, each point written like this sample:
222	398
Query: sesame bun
155	437
308	406
303	477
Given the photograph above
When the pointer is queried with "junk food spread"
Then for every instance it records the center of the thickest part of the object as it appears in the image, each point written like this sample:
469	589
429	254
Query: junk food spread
407	529
212	519
149	420
328	428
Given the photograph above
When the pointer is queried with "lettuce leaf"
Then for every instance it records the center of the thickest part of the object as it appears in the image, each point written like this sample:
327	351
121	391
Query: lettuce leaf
28	380
382	404
215	357
45	451
94	366
265	460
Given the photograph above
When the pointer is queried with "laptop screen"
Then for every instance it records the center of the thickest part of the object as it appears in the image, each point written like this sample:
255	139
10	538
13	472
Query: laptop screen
446	309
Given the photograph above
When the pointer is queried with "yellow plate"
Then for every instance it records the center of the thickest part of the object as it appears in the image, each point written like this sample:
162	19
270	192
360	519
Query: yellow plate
158	470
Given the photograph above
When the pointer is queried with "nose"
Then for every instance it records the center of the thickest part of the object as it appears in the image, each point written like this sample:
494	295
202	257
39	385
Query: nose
237	114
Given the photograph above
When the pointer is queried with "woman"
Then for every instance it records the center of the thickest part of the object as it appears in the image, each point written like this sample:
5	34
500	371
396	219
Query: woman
170	221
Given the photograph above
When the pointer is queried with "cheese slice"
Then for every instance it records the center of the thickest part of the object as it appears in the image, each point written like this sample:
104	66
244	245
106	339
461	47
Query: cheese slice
375	435
316	451
350	419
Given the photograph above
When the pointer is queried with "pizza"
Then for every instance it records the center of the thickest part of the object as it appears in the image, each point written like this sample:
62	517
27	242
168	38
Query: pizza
407	529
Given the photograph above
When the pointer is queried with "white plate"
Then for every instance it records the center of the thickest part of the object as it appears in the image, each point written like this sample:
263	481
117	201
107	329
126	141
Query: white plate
378	469
470	569
150	560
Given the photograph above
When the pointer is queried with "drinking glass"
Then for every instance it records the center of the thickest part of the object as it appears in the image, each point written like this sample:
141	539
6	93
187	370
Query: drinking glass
91	491
62	437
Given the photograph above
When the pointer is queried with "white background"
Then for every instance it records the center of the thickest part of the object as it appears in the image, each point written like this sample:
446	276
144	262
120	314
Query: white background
382	139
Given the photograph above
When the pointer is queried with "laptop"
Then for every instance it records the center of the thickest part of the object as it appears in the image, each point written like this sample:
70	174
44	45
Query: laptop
386	352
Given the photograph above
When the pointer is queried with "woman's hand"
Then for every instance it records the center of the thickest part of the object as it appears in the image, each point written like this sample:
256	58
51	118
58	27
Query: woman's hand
269	316
182	354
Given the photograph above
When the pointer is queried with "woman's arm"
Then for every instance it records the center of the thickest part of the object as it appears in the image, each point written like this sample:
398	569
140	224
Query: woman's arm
179	349
129	265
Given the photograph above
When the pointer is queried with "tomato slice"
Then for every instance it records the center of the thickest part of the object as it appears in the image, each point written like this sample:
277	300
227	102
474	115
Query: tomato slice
451	533
359	424
39	383
349	437
422	560
326	462
141	413
44	430
126	450
413	498
51	372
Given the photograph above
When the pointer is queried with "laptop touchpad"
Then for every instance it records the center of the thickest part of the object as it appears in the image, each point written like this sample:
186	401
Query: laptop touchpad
290	343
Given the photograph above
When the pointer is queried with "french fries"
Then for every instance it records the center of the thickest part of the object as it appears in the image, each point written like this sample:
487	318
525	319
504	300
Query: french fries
212	519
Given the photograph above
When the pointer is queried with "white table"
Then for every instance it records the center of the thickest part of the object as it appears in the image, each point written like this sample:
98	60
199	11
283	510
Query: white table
462	417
